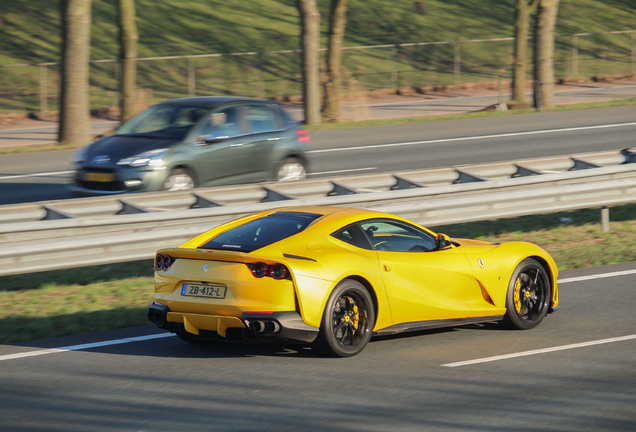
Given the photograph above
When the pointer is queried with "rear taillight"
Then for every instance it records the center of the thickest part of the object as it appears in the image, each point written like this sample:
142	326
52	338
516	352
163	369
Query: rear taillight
163	262
279	271
260	270
303	136
275	271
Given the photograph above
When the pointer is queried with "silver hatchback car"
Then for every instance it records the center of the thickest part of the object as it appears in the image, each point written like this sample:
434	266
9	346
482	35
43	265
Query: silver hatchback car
199	141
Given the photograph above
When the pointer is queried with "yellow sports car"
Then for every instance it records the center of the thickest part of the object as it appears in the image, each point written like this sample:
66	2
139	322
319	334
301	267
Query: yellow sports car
333	277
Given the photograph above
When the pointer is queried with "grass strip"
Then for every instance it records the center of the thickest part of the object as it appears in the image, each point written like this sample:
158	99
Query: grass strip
90	299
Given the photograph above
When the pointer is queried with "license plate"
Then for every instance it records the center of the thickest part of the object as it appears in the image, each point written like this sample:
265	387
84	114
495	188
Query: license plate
198	290
99	177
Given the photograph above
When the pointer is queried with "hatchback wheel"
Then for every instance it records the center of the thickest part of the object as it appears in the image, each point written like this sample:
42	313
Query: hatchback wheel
179	179
291	169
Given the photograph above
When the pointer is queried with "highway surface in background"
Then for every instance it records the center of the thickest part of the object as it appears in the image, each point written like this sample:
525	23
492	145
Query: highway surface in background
29	177
575	372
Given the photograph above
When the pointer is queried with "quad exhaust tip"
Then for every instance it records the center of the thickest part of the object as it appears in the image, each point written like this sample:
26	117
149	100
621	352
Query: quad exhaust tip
263	327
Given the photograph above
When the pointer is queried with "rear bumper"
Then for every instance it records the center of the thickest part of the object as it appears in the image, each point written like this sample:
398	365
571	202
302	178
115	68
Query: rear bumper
275	326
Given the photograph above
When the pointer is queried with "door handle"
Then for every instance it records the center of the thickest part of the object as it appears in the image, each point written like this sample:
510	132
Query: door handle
273	139
237	145
387	268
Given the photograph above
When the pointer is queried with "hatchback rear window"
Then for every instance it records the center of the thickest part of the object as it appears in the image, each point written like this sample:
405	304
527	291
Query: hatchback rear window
261	232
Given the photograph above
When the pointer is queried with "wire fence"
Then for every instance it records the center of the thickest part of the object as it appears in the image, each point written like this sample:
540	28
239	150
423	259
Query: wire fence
267	74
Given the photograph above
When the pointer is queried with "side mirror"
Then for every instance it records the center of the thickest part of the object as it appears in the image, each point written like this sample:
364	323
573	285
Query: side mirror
443	241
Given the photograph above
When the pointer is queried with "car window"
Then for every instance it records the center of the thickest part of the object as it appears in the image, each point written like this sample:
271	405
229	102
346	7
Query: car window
397	236
223	123
172	121
353	235
261	232
261	118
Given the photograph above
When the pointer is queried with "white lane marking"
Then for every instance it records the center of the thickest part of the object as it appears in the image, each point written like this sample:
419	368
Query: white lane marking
163	335
343	171
540	351
84	346
597	276
17	176
473	138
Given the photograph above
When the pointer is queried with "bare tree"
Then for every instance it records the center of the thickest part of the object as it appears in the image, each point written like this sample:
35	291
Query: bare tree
310	42
544	53
128	38
523	9
74	125
333	84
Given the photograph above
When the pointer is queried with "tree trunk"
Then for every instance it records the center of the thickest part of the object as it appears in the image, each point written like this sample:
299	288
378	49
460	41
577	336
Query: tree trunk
544	54
74	125
523	10
333	85
128	38
310	42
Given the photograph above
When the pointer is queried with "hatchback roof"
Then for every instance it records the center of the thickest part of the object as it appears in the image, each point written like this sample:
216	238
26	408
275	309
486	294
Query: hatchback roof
210	101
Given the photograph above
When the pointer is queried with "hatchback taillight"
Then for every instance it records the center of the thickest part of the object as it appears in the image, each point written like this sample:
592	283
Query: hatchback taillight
303	136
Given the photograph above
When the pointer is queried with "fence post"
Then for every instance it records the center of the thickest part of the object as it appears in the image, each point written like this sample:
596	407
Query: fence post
575	56
261	81
44	105
191	77
457	65
394	78
633	52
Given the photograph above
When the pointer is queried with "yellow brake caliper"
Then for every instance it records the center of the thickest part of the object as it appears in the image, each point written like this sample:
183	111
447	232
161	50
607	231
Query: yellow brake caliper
517	295
356	317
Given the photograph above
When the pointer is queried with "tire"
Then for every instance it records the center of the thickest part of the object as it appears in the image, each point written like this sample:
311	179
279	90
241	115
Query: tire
291	169
528	297
347	321
179	179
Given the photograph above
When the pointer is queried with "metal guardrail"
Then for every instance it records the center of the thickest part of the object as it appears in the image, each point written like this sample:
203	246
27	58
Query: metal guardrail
525	173
93	231
55	253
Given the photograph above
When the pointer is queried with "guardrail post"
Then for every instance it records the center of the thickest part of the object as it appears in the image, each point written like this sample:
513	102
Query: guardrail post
44	106
605	219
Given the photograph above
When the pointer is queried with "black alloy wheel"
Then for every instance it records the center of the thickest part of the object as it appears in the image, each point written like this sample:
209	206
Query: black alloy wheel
348	320
528	298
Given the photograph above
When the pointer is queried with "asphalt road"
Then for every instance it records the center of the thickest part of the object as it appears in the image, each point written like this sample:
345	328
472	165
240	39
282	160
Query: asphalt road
29	177
575	372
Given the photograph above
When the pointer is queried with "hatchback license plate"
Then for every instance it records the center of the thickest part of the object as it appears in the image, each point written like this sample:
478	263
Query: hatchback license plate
210	291
99	177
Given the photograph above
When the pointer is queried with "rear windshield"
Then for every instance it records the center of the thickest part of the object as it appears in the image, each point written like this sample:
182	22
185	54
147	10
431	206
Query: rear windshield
261	232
